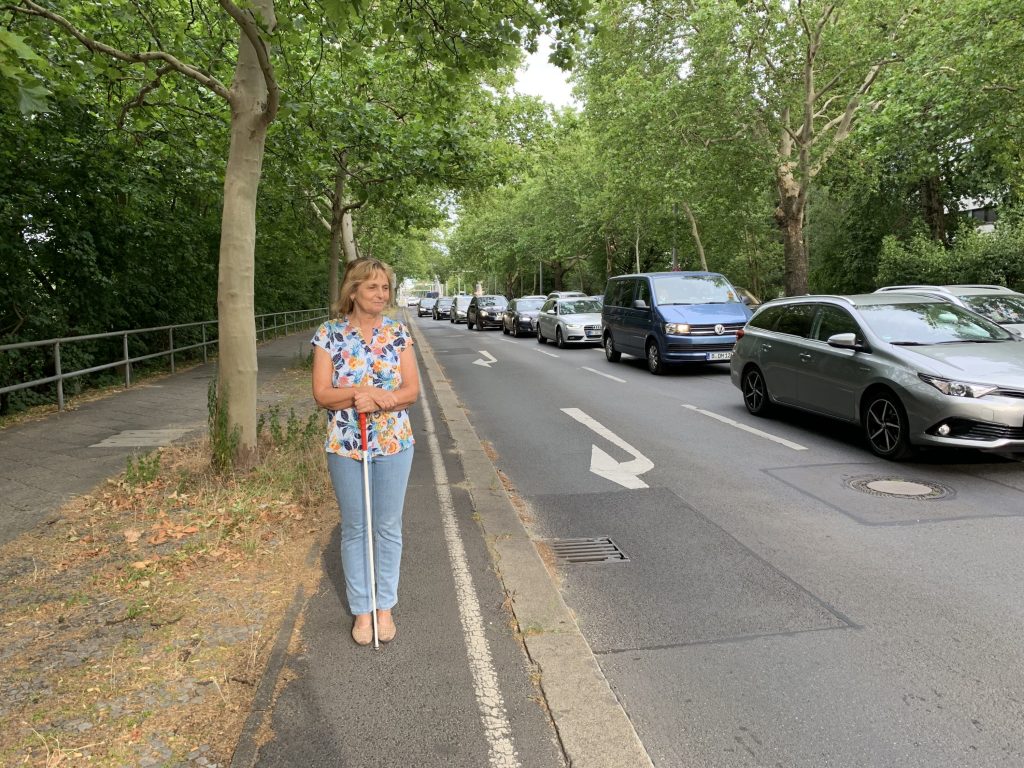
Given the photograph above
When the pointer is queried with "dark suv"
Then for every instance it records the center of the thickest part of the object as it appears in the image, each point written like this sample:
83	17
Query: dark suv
485	311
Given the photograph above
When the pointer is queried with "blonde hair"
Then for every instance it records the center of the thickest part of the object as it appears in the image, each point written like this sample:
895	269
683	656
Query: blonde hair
358	272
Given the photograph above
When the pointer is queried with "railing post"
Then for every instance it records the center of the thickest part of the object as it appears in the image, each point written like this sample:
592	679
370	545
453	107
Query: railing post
170	334
275	325
204	342
127	365
60	376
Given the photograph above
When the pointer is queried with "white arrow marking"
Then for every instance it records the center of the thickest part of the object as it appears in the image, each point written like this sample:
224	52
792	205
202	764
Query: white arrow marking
486	363
625	473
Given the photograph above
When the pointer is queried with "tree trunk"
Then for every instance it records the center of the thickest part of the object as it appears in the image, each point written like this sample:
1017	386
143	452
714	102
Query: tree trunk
237	366
334	252
934	210
348	236
789	215
696	236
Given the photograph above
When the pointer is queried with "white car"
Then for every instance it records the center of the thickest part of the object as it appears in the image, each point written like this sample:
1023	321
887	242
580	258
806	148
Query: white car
569	321
998	304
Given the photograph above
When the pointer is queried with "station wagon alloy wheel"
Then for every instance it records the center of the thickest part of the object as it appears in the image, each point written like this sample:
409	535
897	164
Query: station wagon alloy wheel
755	392
885	426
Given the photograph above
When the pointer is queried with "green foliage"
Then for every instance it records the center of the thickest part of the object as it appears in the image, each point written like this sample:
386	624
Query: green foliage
223	437
142	469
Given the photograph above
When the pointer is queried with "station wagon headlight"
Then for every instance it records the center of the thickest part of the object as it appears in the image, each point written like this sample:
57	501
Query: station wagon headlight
677	329
957	388
574	326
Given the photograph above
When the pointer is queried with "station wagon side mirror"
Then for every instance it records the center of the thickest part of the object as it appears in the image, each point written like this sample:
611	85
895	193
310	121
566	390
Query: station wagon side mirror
640	304
846	341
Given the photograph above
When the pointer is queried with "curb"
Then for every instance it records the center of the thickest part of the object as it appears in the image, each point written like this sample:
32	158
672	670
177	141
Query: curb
594	730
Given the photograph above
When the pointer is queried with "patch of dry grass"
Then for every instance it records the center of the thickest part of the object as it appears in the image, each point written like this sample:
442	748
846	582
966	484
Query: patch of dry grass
138	625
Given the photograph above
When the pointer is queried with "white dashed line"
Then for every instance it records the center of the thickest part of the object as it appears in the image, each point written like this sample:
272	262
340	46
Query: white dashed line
549	354
745	428
606	375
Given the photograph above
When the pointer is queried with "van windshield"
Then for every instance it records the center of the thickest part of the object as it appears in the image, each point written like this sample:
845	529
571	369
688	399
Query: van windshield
694	289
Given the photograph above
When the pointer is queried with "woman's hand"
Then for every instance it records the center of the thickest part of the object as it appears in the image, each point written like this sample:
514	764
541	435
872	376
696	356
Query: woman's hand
386	400
364	401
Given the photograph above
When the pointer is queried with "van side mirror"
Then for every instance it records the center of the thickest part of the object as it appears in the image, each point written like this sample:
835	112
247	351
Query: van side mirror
640	304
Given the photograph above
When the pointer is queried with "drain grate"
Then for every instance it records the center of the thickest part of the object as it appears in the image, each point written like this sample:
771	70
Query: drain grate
597	550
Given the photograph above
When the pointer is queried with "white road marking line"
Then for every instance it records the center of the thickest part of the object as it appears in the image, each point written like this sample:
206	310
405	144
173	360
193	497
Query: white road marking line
500	749
508	341
745	428
606	375
549	354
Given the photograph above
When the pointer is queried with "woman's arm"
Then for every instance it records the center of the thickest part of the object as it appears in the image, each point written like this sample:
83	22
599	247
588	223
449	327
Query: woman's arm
325	394
372	399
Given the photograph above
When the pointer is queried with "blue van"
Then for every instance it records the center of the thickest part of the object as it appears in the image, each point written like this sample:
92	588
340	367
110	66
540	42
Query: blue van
672	317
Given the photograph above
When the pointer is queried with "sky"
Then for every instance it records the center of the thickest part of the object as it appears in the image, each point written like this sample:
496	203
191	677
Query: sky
539	78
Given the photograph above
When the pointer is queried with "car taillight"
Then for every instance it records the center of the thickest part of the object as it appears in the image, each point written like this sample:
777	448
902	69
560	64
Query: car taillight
739	334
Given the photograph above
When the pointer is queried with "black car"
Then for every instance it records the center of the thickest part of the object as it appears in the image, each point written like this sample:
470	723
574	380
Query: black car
426	306
521	315
485	311
443	308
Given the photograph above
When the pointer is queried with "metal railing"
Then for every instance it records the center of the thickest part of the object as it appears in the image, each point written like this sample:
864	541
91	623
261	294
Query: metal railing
267	326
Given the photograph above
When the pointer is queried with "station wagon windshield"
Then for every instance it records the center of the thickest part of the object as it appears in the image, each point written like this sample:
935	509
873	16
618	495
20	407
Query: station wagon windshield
527	305
1000	309
925	324
580	306
696	289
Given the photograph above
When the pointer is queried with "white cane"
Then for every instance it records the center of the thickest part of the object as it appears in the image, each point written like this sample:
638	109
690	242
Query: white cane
369	525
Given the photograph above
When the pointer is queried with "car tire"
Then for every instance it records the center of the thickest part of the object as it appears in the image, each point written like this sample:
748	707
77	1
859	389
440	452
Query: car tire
504	328
515	328
610	353
755	392
886	426
540	337
469	324
559	341
654	362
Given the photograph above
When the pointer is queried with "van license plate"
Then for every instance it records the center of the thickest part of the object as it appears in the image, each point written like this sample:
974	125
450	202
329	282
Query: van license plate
719	355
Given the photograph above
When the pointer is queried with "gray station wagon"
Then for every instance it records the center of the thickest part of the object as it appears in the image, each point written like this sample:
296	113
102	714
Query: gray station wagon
909	369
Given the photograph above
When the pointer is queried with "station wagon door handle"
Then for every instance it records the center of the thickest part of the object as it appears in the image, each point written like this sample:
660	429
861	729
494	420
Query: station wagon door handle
766	347
806	357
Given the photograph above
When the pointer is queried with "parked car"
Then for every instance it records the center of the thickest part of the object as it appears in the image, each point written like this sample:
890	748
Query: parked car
485	312
412	301
910	369
426	306
459	307
672	317
599	298
997	303
443	307
747	297
521	315
566	295
569	321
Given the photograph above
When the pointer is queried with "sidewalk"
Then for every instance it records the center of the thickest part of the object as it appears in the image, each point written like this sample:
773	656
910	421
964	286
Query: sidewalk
460	686
44	463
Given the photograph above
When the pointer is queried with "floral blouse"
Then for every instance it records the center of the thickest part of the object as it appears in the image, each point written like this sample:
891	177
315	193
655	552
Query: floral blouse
376	364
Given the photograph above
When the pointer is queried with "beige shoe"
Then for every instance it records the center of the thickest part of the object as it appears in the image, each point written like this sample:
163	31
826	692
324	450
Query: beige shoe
362	635
386	629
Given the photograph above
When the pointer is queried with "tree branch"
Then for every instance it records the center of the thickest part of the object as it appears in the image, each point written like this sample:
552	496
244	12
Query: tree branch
140	99
31	9
247	23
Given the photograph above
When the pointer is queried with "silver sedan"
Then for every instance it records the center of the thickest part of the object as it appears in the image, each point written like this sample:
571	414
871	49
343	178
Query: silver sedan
569	321
909	369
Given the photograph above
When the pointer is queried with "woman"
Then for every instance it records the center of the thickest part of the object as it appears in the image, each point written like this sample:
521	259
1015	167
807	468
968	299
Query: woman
364	363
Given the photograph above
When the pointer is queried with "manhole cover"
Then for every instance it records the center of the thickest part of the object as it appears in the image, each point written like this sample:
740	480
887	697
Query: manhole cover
900	488
597	550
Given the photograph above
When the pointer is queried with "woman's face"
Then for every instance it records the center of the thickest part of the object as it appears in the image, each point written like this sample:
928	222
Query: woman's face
373	294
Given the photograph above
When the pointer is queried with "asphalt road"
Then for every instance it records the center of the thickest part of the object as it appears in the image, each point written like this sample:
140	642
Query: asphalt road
774	608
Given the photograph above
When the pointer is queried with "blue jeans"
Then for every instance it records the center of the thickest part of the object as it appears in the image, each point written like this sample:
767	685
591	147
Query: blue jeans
389	476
